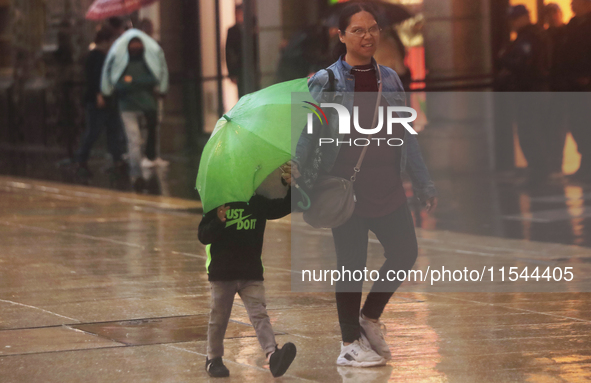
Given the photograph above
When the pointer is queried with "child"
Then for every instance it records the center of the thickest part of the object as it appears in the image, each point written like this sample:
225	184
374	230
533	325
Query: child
234	234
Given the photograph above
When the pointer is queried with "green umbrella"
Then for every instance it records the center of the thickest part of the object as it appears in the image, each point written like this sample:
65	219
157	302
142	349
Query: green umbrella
250	142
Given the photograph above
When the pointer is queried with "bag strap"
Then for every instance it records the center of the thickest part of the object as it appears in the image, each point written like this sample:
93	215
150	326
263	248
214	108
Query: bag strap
357	167
331	87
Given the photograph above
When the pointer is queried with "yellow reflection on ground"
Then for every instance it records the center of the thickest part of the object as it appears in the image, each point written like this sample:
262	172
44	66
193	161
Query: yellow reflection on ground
572	158
575	205
570	161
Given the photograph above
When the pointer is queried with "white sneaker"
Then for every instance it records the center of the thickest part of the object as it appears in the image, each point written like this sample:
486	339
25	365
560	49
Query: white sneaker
161	163
146	163
375	336
358	354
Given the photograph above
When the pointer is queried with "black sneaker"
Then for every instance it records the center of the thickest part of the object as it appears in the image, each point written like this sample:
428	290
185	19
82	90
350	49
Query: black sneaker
281	359
215	368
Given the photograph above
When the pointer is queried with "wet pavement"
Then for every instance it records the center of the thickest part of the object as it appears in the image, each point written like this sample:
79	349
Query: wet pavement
106	286
504	205
499	205
176	180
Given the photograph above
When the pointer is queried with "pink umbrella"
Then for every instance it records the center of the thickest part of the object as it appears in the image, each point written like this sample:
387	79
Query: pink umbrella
102	9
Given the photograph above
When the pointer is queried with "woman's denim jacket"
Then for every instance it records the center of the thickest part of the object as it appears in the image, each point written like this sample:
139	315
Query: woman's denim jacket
312	158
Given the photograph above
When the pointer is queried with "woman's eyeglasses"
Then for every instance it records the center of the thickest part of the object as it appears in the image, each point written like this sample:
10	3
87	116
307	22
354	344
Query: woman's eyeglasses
360	32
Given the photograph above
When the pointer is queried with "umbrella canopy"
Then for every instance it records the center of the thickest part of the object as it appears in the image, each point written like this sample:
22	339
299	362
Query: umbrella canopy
389	13
250	142
103	9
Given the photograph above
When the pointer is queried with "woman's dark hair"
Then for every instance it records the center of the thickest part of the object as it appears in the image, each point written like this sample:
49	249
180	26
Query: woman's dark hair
345	19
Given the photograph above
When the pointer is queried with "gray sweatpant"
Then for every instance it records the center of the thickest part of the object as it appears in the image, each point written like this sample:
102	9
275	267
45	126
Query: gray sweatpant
252	294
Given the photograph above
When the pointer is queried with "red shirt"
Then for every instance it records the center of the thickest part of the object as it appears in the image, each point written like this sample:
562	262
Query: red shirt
378	187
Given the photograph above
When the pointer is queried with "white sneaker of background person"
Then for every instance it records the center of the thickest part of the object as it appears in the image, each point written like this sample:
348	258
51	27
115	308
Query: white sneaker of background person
359	354
146	163
161	163
373	332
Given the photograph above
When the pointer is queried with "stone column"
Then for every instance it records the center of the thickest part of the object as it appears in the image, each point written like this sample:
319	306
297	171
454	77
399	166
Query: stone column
179	37
459	136
270	35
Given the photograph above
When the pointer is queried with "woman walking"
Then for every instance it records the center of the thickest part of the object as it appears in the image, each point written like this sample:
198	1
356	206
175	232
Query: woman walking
381	201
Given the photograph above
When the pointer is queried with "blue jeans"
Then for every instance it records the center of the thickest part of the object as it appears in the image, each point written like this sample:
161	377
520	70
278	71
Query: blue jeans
97	119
